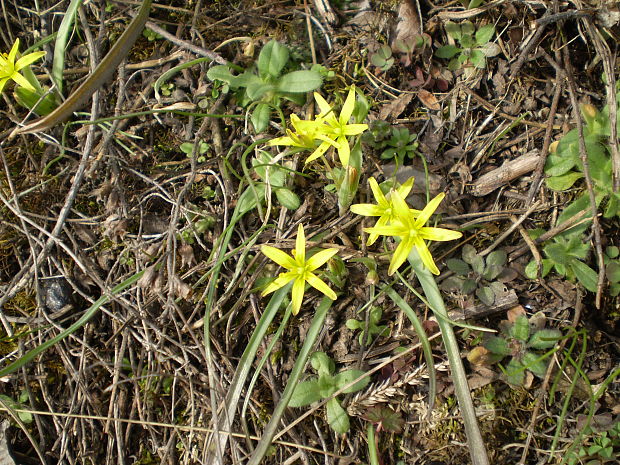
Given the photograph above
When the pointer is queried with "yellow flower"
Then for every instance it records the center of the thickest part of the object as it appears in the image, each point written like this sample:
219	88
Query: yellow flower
384	208
338	128
299	269
9	68
305	136
412	232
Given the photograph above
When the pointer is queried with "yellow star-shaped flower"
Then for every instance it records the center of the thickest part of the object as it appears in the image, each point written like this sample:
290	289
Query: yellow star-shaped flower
299	269
307	135
338	128
9	68
383	208
412	232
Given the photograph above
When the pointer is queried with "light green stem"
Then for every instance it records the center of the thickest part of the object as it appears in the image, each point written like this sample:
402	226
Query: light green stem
300	363
477	450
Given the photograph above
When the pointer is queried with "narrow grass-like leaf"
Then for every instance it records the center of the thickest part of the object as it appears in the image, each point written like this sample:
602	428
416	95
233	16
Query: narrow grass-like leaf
60	46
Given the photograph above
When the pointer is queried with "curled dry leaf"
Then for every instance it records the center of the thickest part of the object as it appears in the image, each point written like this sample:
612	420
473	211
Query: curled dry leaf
186	252
429	100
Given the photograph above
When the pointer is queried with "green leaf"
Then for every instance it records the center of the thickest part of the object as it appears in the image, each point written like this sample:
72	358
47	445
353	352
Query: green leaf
490	50
322	363
458	266
556	165
469	253
354	324
478	59
484	34
535	364
467	28
515	373
469	285
337	417
287	198
260	117
306	393
477	265
531	269
563	182
258	89
558	253
345	377
299	82
272	59
544	339
447	51
33	101
577	206
486	295
613	272
388	419
220	73
497	258
246	79
497	345
521	329
453	30
585	275
612	251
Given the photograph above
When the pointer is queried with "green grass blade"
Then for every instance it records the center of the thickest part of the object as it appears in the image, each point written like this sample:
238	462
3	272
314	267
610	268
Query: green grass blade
62	39
300	363
477	449
426	345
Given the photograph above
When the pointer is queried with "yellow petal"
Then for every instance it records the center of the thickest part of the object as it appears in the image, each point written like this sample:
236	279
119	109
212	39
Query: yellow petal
406	187
320	258
297	296
439	234
3	82
428	211
285	140
282	280
22	81
400	255
378	193
367	209
400	208
28	59
425	255
13	53
354	129
344	151
347	108
320	286
300	245
318	152
322	103
281	258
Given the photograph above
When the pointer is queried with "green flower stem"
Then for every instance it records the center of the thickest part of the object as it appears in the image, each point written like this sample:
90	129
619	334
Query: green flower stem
477	449
373	455
426	345
245	365
300	363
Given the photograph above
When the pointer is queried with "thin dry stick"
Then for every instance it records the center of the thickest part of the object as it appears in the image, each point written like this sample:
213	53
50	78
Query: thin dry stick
516	223
596	227
538	173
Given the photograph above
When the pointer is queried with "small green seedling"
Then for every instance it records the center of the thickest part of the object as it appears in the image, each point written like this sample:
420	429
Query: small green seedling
20	404
383	58
475	46
264	84
402	144
151	35
188	148
394	143
276	176
599	448
413	46
324	386
199	224
565	255
564	167
612	269
521	340
474	273
374	328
